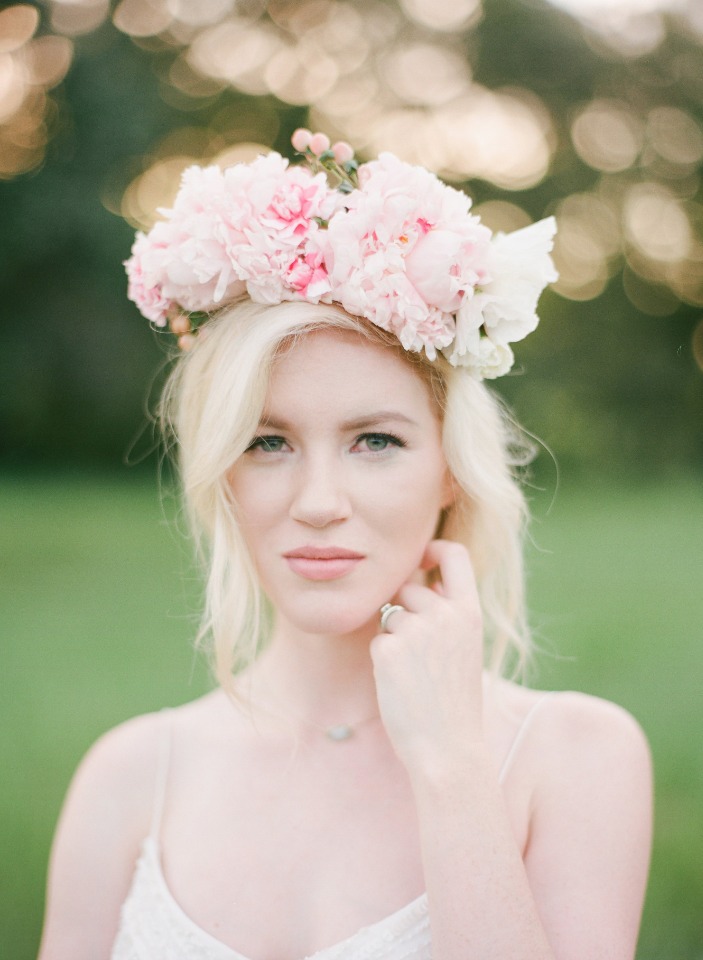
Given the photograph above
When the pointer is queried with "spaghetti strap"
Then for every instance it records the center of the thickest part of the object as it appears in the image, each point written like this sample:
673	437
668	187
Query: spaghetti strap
521	733
162	767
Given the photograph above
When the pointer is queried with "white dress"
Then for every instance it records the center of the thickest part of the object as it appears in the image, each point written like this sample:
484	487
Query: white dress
154	927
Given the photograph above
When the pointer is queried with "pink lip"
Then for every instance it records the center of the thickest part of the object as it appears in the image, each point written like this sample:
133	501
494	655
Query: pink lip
324	553
322	563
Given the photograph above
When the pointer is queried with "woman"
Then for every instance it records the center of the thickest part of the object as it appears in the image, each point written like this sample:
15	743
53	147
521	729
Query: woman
359	785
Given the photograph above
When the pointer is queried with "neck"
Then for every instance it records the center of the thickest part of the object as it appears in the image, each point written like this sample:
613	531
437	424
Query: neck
318	678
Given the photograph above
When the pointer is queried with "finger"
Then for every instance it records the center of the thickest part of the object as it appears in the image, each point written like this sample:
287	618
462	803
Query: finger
417	598
455	568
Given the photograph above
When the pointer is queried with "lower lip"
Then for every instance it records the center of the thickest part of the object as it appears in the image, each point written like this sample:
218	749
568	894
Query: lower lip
331	569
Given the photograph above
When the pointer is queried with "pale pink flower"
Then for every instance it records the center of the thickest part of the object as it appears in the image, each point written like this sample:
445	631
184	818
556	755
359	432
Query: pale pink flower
143	289
191	245
405	251
228	232
446	263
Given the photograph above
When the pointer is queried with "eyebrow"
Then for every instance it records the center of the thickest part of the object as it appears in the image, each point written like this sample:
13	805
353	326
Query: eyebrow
357	423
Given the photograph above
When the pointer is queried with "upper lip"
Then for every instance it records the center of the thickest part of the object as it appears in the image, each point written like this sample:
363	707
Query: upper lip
324	553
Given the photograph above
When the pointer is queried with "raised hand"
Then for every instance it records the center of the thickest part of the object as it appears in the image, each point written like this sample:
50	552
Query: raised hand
428	665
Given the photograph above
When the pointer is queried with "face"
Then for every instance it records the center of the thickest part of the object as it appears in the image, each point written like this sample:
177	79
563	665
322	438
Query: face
341	489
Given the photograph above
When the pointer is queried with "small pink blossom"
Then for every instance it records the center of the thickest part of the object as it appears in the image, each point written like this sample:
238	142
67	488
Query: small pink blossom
343	152
301	139
319	144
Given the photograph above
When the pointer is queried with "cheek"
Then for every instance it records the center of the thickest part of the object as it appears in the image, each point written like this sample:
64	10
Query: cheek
255	525
412	512
258	499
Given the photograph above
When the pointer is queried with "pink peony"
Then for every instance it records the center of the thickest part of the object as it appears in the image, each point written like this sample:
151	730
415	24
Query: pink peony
228	232
405	251
307	276
142	289
445	263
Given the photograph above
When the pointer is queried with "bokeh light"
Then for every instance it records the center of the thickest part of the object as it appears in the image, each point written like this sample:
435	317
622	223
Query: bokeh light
448	15
142	19
30	67
607	135
656	223
675	136
74	18
17	26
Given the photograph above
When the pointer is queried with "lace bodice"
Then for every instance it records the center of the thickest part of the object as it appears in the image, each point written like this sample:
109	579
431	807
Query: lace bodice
154	927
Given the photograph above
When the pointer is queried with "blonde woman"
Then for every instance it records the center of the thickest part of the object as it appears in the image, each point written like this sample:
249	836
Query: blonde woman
363	782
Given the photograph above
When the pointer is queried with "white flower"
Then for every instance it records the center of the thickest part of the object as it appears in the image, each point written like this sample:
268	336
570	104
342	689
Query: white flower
485	359
519	268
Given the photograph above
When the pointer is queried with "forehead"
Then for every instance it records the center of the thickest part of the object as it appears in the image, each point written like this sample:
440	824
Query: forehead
331	369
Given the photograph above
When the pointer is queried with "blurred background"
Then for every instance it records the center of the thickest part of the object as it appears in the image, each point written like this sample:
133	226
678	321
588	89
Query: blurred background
591	110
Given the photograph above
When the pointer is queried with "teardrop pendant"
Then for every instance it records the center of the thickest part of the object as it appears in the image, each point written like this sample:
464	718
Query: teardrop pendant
340	731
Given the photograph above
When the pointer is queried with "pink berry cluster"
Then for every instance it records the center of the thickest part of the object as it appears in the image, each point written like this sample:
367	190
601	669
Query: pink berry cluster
304	140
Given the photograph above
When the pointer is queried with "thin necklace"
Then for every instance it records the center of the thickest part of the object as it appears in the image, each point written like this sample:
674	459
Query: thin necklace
337	732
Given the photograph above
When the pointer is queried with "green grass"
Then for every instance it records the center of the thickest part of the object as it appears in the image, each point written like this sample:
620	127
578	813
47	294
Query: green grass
98	607
619	595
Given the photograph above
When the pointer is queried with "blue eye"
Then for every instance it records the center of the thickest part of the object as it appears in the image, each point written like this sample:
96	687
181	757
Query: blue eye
267	444
379	442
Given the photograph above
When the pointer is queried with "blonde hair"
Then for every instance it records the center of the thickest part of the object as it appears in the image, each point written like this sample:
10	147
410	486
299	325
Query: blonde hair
211	407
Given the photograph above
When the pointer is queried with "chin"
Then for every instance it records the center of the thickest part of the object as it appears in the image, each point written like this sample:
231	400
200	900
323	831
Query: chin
335	621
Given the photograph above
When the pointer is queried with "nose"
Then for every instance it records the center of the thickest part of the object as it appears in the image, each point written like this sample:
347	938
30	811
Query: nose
320	496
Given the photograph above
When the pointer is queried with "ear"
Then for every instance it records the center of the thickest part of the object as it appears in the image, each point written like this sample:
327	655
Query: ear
448	490
447	502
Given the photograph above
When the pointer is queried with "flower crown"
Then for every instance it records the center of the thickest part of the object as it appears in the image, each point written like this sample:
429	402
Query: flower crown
386	240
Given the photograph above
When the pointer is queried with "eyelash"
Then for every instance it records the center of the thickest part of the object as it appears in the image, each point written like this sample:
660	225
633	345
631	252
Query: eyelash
264	442
394	440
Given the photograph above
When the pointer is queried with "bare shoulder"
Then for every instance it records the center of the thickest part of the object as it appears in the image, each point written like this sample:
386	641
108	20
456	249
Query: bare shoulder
566	726
572	751
130	744
112	789
583	756
122	765
587	772
588	731
106	816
